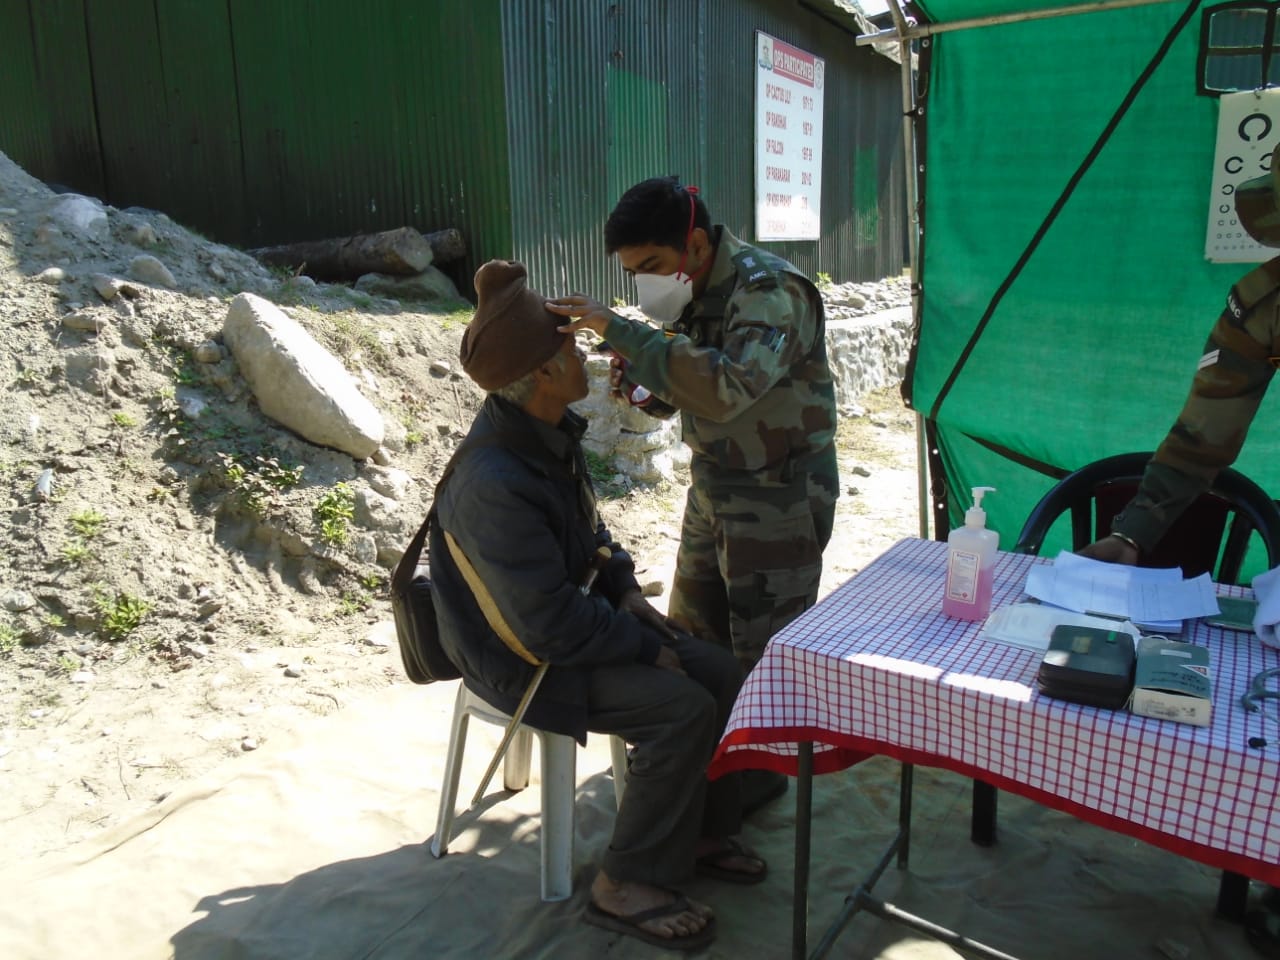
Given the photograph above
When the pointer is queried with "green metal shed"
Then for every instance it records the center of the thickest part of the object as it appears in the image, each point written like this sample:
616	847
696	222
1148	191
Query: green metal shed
517	121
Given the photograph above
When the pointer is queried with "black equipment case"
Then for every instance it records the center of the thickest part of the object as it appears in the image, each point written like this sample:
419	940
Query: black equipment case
1088	665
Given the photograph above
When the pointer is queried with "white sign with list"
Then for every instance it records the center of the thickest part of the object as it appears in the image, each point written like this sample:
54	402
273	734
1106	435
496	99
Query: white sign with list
789	84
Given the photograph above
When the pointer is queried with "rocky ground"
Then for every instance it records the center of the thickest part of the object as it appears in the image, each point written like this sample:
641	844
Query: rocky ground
182	579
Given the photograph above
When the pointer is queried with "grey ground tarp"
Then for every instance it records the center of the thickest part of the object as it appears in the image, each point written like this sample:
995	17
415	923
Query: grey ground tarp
317	846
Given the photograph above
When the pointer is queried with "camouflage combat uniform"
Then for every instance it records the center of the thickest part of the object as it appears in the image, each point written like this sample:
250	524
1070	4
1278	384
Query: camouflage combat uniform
1239	361
746	365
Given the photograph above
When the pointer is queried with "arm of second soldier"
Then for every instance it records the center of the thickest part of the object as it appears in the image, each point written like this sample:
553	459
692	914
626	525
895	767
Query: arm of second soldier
1230	382
766	331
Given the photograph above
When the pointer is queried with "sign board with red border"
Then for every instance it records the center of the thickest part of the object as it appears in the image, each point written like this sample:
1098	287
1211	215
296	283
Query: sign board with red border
789	85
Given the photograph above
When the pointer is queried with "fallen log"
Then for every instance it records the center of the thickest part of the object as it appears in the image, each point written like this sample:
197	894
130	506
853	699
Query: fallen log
400	252
446	245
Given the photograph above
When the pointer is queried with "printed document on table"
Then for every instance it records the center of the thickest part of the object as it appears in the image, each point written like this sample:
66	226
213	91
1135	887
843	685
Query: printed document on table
1142	594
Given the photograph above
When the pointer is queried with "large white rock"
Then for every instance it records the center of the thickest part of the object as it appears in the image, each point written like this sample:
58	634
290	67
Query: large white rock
297	382
79	216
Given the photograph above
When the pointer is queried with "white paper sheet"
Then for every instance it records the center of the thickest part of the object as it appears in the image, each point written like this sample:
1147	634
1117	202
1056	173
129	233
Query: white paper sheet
1030	625
1144	595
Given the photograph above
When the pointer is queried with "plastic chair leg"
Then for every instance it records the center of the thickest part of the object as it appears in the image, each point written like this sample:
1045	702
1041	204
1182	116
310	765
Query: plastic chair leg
618	754
559	784
452	774
559	787
515	766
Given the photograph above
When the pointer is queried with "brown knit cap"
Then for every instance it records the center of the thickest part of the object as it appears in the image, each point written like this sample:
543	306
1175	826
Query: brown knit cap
512	331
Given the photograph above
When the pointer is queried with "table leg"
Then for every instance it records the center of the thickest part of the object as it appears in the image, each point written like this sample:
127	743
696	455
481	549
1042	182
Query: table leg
1233	896
804	815
905	783
982	829
862	898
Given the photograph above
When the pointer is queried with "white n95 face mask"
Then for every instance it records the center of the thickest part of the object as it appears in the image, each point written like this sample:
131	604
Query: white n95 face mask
663	298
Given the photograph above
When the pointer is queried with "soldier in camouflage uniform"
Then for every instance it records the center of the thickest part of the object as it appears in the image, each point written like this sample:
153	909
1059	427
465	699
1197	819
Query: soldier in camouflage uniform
741	354
1231	379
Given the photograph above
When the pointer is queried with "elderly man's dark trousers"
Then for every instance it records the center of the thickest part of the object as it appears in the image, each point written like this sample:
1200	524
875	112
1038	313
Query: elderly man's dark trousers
674	723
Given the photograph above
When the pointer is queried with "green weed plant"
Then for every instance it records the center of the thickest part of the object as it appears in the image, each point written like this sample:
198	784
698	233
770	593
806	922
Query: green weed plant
258	483
120	615
334	512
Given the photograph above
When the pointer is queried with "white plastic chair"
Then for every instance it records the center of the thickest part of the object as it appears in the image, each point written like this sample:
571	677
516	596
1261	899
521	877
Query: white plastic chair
559	785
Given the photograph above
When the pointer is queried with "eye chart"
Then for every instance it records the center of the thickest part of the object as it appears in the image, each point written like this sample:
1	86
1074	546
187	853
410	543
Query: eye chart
1248	130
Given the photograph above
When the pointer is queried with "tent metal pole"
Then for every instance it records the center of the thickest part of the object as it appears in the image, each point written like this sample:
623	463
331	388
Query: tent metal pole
913	240
912	31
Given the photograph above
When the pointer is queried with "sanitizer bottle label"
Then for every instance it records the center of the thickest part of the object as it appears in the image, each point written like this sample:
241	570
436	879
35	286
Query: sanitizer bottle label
962	576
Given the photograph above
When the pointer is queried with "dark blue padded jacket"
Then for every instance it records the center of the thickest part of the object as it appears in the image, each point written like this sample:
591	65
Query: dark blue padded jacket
524	513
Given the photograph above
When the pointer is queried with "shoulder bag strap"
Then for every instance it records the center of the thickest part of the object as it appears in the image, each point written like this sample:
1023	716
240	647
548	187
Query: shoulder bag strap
412	555
483	597
488	607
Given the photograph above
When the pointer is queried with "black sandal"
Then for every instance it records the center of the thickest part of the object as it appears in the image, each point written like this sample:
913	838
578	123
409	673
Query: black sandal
713	864
1262	927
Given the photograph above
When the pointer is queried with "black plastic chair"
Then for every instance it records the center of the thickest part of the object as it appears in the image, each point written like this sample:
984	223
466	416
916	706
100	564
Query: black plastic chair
1212	536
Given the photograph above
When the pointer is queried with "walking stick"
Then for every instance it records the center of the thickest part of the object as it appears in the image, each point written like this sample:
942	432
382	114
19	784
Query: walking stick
598	560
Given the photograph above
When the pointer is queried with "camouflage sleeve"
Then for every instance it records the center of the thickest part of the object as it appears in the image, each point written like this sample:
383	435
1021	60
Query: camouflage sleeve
767	330
1229	384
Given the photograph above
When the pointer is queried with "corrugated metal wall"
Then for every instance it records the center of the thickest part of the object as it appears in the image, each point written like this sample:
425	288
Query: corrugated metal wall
555	101
863	171
640	88
361	122
48	122
260	123
518	121
168	125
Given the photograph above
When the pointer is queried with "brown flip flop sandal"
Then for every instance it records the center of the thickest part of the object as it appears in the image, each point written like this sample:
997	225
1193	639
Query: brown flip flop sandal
630	925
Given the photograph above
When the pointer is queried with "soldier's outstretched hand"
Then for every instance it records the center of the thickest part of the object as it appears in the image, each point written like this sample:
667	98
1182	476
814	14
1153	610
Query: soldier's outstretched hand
1112	550
591	314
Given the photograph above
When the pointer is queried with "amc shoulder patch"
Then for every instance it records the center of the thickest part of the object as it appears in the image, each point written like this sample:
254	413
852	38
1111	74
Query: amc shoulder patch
753	272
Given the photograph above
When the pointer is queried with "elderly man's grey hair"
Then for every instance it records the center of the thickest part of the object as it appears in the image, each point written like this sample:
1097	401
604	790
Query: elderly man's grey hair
518	392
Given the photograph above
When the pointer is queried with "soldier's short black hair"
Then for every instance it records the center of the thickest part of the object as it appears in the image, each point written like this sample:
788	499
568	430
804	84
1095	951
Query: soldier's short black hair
654	211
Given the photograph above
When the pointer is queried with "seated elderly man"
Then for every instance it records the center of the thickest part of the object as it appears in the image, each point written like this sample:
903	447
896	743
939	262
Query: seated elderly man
520	507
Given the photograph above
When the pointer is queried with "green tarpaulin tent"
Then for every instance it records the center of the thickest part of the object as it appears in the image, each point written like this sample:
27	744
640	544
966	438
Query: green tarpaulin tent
1065	167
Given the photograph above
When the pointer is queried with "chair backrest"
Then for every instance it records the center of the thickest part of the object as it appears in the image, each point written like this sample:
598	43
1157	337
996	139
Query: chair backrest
1212	535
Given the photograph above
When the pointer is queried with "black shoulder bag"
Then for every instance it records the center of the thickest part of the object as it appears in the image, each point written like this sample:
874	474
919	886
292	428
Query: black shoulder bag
412	603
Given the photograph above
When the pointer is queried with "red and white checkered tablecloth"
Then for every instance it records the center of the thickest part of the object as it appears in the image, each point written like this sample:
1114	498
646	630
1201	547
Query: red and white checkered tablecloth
875	668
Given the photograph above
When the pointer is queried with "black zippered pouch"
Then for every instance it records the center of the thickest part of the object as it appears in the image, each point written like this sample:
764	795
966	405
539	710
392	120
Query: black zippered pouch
1088	665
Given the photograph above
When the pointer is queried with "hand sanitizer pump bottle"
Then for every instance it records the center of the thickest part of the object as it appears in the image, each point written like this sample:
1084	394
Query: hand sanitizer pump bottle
971	557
